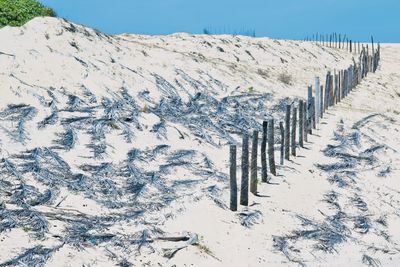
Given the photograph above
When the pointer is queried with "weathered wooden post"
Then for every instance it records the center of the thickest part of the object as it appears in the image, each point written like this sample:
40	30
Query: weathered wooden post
271	148
321	101
301	123
287	133
345	82
253	166
327	83
282	131
309	110
367	63
317	100
372	43
313	115
264	169
244	186
305	121
339	78
331	89
342	83
337	95
294	123
233	182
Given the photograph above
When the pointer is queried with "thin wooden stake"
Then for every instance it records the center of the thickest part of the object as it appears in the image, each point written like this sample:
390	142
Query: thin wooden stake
301	123
309	111
287	133
294	123
317	100
321	101
244	187
282	142
253	168
233	182
271	148
305	122
264	169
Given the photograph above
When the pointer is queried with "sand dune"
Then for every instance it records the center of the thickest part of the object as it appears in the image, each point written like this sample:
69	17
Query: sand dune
115	152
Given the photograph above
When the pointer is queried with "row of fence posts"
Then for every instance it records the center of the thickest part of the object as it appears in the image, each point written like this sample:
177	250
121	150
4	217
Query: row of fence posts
302	118
340	41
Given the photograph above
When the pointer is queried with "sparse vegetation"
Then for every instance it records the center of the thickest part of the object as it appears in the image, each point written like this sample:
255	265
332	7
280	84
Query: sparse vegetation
285	78
263	73
18	12
245	32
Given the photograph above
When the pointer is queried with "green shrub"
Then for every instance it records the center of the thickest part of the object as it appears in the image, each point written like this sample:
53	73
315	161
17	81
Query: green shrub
18	12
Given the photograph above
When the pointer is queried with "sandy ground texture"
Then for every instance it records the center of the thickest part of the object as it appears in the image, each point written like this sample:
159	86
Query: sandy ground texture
115	152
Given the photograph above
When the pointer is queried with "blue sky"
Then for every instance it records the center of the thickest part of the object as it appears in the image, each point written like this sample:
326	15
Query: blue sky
289	19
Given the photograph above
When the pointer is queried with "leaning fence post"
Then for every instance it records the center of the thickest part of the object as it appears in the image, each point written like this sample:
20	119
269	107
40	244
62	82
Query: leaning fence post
244	187
282	142
271	144
294	122
264	173
301	123
233	182
287	133
253	168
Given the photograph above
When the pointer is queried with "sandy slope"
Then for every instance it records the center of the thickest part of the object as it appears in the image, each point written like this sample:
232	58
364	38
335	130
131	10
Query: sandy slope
111	141
361	198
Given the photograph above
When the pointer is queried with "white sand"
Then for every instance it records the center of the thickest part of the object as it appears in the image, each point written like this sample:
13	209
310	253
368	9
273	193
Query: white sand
44	56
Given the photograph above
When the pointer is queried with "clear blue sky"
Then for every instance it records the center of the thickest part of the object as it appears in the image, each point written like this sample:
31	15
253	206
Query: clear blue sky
292	19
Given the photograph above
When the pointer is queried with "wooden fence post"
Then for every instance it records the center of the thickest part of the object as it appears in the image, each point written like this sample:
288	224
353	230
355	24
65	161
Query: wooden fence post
301	123
233	182
327	83
313	115
244	187
253	166
317	101
347	81
344	83
331	95
337	95
309	110
305	127
339	84
287	133
264	169
282	131
321	100
294	123
271	148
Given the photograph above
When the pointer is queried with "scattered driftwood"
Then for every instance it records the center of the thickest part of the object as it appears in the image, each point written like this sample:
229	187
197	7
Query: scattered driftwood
189	239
